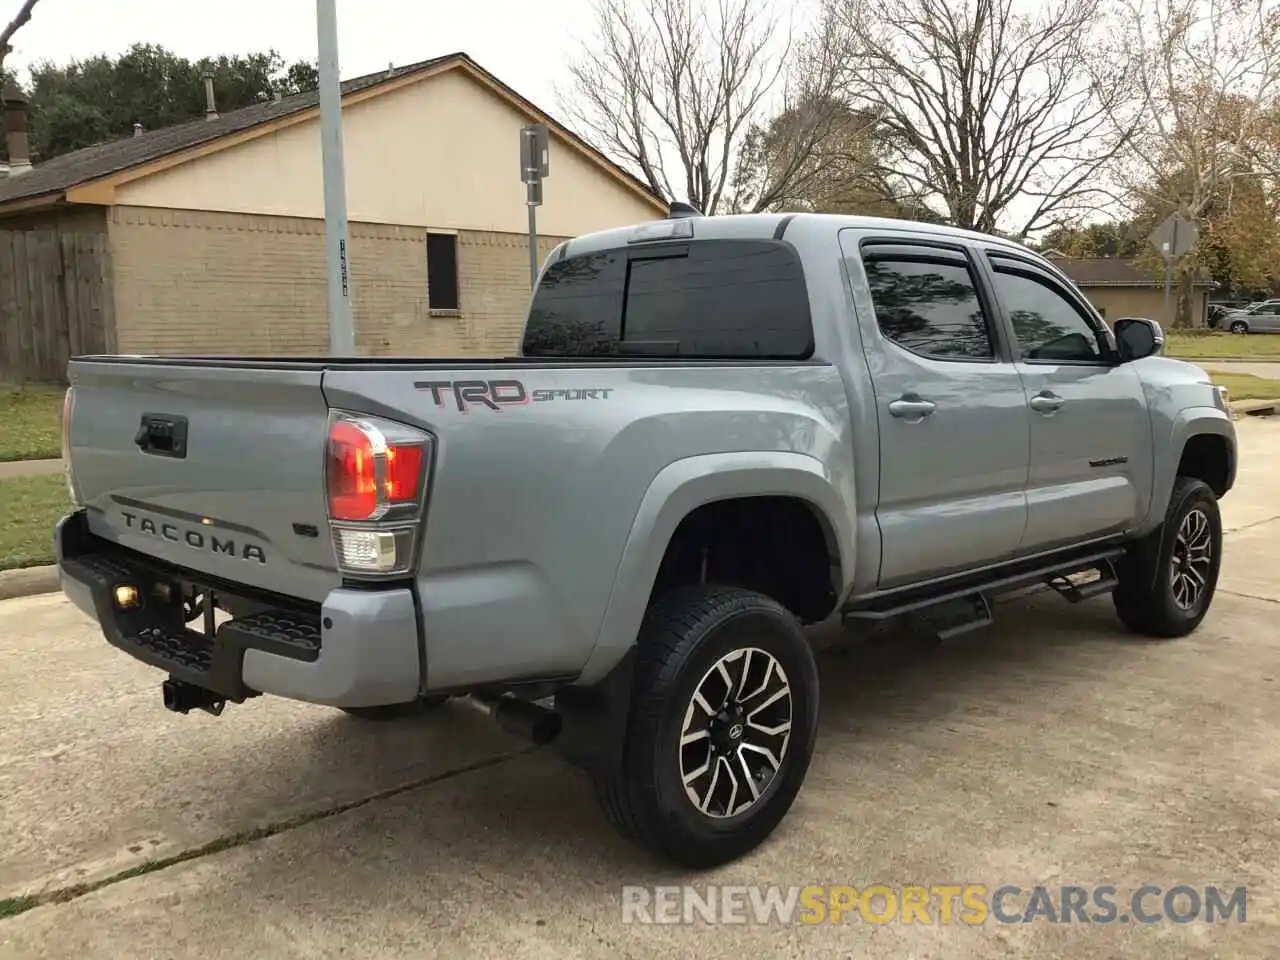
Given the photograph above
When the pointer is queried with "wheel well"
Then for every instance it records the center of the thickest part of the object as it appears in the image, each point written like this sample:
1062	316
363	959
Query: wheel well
782	547
1207	457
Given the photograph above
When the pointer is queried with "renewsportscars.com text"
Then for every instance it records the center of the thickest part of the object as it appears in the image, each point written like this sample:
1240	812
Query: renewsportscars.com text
967	904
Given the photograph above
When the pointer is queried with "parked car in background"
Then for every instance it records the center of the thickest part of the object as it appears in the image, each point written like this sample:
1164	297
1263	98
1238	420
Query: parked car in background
1218	309
1260	317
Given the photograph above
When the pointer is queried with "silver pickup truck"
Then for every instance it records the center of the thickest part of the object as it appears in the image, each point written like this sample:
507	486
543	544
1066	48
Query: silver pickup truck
718	429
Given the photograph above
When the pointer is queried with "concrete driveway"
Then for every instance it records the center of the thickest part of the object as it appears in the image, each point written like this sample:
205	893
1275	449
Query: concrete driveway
1052	749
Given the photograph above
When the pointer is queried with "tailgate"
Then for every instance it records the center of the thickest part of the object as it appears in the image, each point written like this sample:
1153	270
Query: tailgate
241	499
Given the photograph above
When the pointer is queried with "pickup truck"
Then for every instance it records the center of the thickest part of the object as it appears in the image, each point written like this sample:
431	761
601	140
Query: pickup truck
718	429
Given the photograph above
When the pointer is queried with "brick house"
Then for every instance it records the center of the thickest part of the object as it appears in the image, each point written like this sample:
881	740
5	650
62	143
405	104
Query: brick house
1122	288
213	230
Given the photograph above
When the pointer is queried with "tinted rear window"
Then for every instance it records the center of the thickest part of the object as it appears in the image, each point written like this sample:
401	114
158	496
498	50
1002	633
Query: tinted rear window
704	298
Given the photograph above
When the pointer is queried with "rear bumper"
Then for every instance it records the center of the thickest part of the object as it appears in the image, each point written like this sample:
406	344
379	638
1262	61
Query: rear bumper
357	648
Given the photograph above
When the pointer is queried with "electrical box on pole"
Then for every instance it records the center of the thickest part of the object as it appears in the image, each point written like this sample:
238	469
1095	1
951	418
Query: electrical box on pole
534	165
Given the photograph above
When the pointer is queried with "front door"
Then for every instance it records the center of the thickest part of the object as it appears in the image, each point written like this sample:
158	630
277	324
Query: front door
1267	319
1091	461
952	415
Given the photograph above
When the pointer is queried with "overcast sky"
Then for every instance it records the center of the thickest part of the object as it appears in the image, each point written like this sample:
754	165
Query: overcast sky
523	42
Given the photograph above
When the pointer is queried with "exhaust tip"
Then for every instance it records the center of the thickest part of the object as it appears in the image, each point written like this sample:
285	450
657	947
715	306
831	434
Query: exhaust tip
545	729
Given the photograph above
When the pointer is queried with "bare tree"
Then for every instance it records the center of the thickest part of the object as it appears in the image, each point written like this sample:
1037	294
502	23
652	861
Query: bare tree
1207	119
670	90
20	20
996	118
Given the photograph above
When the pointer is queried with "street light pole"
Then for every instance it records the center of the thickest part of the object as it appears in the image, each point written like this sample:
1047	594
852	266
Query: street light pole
336	241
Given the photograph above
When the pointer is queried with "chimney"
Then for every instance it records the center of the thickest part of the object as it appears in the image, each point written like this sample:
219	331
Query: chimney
137	130
210	106
15	127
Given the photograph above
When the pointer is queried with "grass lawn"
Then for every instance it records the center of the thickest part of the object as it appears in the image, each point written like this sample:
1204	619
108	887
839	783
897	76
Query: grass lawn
1242	386
30	423
29	507
1212	344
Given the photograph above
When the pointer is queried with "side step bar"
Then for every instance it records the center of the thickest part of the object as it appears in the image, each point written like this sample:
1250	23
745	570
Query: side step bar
976	592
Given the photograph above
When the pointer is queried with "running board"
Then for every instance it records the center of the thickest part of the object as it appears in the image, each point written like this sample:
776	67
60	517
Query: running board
977	590
1074	592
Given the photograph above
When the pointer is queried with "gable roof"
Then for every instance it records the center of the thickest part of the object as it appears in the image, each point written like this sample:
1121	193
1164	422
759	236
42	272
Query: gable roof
132	157
1109	272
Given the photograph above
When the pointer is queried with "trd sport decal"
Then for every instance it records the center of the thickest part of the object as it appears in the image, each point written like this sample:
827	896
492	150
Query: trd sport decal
496	394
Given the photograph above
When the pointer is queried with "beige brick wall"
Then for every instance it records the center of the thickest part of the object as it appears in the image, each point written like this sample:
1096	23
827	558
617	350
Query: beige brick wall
1116	302
197	282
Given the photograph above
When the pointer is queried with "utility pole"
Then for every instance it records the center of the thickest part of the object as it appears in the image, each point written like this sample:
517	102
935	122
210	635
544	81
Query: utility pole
336	240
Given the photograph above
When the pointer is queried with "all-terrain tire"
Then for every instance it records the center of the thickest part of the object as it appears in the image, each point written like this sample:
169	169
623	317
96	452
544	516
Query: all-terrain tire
1149	598
396	711
690	639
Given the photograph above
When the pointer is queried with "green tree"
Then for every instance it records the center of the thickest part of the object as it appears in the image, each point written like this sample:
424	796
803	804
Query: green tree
100	98
1119	238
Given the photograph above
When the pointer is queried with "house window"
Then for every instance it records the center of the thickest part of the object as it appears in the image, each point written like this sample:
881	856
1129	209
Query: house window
442	271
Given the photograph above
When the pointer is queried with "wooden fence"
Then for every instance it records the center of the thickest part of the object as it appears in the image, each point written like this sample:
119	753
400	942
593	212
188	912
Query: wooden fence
55	302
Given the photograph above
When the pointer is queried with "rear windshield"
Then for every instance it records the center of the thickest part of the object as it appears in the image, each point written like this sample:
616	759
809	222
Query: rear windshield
725	299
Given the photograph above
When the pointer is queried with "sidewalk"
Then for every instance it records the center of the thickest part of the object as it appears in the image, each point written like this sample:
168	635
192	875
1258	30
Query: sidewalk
28	468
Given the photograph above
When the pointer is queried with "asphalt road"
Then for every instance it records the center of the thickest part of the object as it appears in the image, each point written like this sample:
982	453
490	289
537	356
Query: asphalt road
1051	749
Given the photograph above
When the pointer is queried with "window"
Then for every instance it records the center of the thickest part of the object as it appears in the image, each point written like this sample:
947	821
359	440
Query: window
442	271
1048	327
929	307
704	298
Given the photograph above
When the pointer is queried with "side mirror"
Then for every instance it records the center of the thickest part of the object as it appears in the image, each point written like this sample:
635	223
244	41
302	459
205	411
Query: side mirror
1138	337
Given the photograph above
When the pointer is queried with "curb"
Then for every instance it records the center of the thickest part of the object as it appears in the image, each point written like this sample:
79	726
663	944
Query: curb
28	582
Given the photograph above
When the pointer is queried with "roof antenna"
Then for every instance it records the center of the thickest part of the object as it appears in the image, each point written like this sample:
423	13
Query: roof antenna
678	211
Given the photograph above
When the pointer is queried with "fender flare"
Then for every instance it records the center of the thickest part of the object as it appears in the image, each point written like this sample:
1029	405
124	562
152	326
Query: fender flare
1185	424
679	489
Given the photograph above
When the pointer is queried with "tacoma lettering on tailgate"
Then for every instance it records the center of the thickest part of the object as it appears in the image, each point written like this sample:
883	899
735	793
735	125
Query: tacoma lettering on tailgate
197	539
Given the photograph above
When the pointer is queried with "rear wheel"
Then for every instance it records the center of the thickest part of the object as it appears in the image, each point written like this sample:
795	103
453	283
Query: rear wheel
396	711
1168	579
721	729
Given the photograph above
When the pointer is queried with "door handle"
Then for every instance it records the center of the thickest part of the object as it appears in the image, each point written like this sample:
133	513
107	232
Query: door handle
911	407
1046	402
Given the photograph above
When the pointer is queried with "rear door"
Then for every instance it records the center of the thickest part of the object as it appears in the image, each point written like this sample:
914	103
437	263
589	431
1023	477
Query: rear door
951	411
1091	449
212	466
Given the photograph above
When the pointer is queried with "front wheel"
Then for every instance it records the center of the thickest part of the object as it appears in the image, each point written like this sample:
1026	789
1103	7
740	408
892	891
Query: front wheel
1169	577
1239	326
722	724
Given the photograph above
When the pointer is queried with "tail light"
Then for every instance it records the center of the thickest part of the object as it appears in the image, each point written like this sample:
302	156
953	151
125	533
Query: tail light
68	404
376	478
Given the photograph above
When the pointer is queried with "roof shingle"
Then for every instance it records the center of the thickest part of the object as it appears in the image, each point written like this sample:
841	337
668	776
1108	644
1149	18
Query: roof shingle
1110	272
90	163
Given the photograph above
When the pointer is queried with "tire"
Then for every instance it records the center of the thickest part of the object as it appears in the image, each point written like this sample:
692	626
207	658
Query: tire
396	711
1152	593
1238	326
685	638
